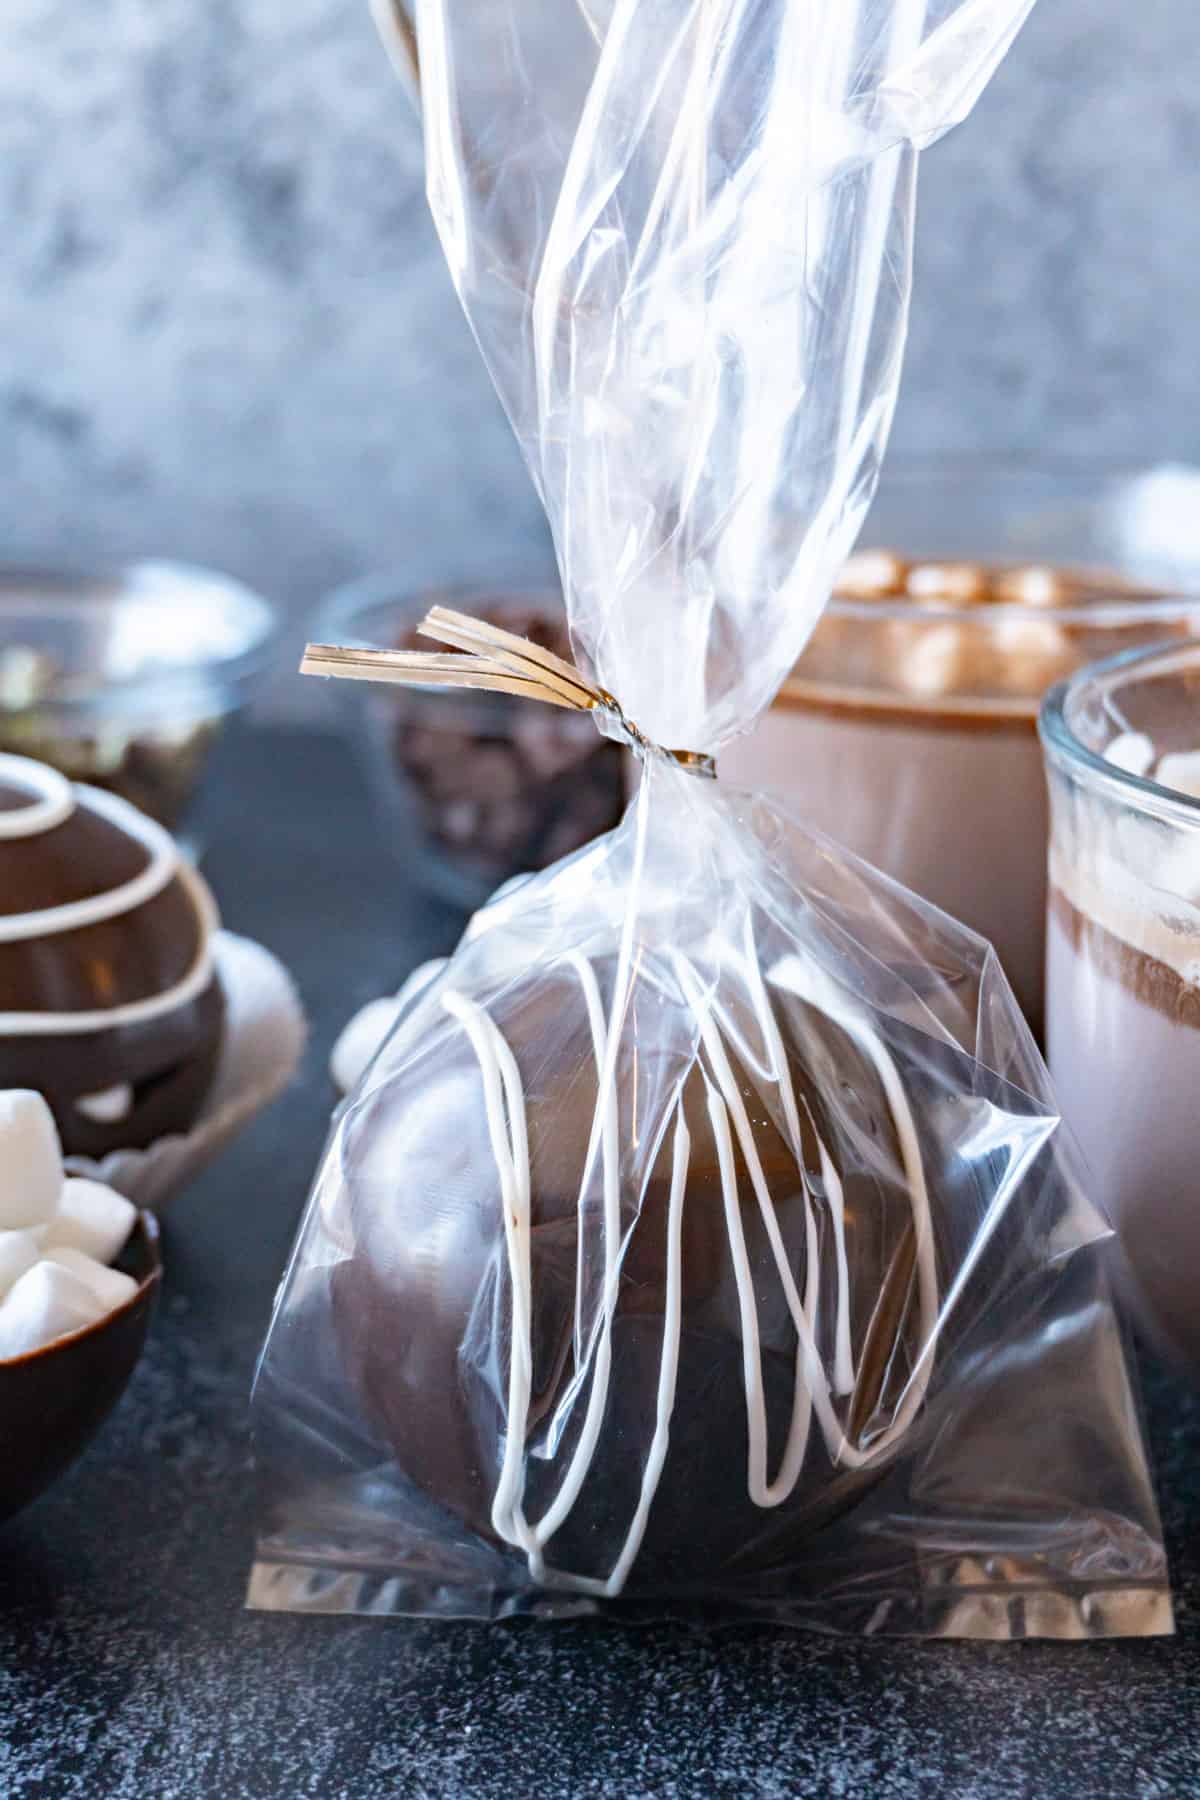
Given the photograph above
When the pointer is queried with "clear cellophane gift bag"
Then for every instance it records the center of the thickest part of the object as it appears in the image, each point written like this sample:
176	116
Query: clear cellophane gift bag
704	1235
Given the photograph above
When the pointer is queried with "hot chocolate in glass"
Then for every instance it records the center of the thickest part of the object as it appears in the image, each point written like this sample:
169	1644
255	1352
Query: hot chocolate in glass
1122	743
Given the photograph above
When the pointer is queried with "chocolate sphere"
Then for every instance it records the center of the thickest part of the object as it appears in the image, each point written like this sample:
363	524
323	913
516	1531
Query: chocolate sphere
109	1002
423	1291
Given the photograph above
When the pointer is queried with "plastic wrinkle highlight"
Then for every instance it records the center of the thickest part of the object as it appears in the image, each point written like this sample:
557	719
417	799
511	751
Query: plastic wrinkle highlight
504	1101
498	1069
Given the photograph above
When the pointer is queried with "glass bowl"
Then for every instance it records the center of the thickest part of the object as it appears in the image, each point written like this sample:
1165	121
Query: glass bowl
122	677
472	787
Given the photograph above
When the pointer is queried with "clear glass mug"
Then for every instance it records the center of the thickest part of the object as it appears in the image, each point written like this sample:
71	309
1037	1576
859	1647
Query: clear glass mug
1123	963
908	730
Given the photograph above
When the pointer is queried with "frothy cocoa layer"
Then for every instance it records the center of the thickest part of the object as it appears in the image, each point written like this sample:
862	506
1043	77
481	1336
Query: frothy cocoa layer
1156	984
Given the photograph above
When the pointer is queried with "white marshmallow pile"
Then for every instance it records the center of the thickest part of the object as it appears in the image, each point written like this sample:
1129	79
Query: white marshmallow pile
58	1235
1179	770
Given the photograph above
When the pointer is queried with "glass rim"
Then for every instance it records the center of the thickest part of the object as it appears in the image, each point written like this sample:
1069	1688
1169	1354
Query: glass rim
1163	608
1063	748
93	691
363	593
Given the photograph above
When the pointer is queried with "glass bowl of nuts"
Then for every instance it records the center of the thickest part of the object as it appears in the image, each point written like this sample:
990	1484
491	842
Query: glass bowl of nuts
472	787
122	678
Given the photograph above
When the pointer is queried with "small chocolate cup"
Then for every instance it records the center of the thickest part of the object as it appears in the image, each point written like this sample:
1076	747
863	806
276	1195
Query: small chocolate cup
54	1400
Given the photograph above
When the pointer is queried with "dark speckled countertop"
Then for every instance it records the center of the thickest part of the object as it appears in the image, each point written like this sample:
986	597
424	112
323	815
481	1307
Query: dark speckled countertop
129	1671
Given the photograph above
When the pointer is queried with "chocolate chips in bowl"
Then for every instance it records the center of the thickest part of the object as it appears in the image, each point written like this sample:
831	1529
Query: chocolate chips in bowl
475	787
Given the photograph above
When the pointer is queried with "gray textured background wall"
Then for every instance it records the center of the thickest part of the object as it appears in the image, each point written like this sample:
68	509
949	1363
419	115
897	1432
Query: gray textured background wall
226	332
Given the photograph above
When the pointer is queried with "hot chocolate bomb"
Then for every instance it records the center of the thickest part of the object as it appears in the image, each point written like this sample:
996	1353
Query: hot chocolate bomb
109	1002
702	1431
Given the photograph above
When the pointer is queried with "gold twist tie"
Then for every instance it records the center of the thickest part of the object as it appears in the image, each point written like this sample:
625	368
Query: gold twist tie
495	659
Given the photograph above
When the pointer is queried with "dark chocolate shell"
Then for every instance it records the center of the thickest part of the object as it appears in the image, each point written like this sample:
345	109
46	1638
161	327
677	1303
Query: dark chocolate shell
109	1003
423	1310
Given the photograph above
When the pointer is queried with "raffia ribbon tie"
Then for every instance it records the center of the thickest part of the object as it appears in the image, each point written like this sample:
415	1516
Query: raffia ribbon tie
495	659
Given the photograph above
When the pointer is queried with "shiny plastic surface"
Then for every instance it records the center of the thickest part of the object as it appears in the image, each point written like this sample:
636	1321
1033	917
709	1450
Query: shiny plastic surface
703	1235
682	233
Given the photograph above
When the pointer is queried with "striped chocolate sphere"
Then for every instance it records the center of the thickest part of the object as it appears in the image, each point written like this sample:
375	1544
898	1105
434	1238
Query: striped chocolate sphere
109	1002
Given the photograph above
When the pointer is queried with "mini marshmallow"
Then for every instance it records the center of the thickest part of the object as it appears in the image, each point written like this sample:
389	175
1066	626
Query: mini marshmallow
31	1168
931	663
47	1302
1132	751
949	584
360	1039
112	1287
421	977
109	1106
18	1252
1031	586
1174	869
91	1218
869	574
363	1034
1181	771
1036	652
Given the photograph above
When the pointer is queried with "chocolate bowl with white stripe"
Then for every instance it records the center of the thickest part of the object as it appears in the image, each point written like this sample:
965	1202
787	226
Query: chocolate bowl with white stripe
109	1001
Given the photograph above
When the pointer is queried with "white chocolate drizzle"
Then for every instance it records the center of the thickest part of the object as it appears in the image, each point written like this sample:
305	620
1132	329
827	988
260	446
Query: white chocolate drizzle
55	799
504	1103
75	915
